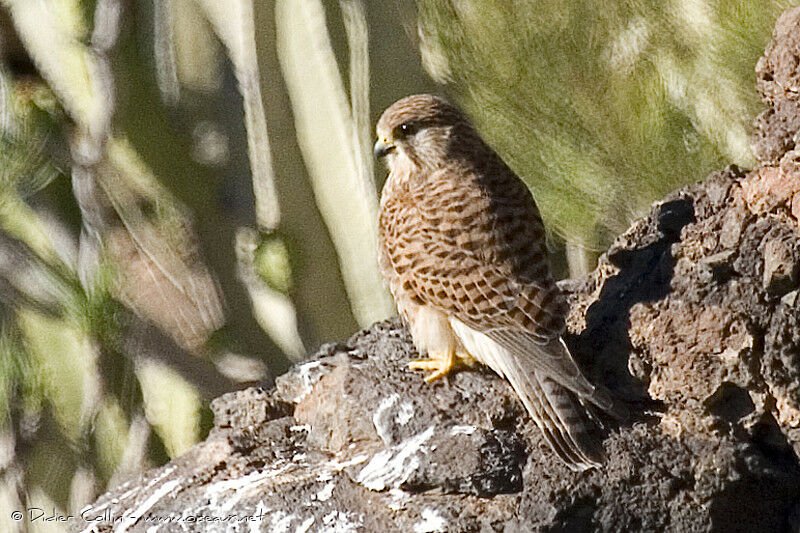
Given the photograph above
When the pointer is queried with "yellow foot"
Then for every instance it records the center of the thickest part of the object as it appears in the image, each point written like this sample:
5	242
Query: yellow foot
440	365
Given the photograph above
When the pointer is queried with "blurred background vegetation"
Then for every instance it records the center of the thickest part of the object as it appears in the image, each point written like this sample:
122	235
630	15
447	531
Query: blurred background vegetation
188	199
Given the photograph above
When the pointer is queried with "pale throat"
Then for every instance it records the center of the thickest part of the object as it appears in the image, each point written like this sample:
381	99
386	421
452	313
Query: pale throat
400	171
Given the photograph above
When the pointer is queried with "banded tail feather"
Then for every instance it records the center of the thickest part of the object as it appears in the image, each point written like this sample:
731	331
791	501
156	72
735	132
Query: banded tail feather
555	399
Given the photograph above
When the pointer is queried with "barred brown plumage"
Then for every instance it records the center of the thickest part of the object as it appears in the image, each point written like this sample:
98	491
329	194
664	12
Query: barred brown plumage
462	247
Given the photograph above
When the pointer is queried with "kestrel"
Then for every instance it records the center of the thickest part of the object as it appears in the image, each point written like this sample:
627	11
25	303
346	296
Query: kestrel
462	248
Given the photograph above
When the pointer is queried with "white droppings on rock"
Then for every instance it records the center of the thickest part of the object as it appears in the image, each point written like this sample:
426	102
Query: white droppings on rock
225	495
325	493
463	430
382	418
132	515
337	466
250	480
280	522
339	522
309	378
261	510
305	526
299	458
127	494
391	468
405	413
399	498
431	522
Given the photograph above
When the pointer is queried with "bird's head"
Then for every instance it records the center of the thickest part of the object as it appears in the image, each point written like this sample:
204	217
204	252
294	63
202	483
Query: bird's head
418	130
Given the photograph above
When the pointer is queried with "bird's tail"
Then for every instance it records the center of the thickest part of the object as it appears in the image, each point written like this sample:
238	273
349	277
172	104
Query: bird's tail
551	388
563	419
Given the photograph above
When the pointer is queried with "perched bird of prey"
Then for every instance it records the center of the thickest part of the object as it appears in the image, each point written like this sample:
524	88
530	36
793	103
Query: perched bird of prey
462	248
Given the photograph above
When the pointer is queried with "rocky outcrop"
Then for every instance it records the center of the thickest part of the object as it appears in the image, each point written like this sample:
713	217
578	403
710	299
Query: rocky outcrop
691	318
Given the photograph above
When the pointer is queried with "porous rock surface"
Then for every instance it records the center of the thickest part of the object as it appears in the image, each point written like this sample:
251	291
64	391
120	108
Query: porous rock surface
691	318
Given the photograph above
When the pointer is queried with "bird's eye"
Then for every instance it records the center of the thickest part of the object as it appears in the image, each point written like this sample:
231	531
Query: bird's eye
405	129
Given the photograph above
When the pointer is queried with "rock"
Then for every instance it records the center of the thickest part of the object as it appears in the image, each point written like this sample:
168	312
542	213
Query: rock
778	70
775	131
437	452
690	318
780	265
778	81
771	188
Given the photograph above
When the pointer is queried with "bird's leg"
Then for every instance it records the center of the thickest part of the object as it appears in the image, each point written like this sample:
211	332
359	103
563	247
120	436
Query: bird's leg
441	362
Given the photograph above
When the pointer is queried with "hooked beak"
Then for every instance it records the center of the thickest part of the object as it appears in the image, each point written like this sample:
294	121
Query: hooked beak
382	148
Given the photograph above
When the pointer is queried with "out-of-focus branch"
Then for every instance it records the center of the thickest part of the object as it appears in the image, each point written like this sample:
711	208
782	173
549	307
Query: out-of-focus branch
333	152
164	51
141	340
234	23
26	279
273	309
160	274
355	24
54	39
164	278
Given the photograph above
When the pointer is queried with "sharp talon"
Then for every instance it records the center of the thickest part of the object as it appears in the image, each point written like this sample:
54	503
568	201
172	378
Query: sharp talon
436	375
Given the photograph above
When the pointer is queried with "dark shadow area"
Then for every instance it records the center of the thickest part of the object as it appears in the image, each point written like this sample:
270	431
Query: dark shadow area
761	503
646	267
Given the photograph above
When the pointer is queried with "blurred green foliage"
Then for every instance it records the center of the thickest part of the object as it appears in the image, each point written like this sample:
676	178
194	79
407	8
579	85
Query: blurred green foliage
159	236
602	107
187	197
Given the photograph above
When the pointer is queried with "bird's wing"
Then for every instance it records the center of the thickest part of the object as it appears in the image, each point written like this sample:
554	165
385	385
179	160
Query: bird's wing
475	248
557	412
552	360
